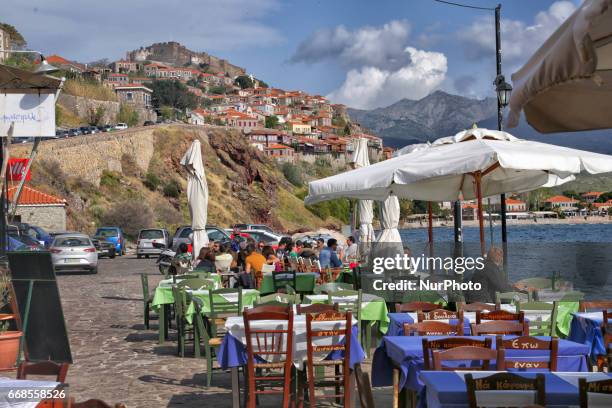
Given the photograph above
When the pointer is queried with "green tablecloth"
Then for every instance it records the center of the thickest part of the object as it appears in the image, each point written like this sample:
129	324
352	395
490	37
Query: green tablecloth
163	292
564	317
305	282
249	296
373	308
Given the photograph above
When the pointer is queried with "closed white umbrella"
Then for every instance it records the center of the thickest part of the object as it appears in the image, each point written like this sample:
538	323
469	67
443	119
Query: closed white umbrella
479	163
197	195
364	207
389	220
567	84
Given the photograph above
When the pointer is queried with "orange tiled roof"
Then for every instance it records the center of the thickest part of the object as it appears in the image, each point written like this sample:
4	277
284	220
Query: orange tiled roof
29	196
592	194
513	201
277	146
560	199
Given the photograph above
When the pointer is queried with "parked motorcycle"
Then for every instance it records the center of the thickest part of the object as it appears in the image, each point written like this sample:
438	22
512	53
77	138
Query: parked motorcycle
164	260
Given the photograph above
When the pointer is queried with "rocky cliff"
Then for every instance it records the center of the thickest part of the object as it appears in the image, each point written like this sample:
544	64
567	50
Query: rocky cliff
140	169
179	55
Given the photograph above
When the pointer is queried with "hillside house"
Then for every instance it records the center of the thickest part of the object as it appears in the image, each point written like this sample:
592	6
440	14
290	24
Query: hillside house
240	120
124	66
266	136
133	94
562	202
512	205
38	208
118	79
299	128
279	152
66	65
591	196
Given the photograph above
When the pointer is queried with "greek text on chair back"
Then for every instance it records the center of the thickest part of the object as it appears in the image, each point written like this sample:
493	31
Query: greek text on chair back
448	343
529	343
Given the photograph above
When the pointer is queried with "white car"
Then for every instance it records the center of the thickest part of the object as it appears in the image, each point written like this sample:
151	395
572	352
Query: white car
74	253
121	126
269	238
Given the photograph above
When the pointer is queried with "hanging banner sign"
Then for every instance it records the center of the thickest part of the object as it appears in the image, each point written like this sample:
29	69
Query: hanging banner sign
33	114
16	167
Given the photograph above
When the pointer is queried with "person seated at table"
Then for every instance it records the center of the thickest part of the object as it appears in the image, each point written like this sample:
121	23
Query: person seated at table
350	253
492	279
206	260
214	246
291	251
224	260
182	259
328	258
307	251
270	255
320	246
254	263
260	246
281	250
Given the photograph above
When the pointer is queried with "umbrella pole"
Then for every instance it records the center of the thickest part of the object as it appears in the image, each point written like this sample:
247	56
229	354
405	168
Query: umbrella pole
430	219
483	245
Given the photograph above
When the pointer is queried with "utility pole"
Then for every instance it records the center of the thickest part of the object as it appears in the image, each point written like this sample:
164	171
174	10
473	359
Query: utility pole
502	202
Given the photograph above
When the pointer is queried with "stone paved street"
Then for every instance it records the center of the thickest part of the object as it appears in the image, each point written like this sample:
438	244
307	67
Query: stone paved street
116	360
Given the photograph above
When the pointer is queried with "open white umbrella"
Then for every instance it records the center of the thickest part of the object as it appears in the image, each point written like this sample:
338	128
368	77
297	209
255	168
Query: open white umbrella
567	84
364	207
479	163
197	195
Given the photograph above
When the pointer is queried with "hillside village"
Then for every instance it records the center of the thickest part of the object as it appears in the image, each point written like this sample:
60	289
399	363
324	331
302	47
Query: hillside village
284	124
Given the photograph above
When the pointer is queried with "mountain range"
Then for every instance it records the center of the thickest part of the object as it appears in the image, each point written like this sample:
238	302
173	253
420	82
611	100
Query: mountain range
441	114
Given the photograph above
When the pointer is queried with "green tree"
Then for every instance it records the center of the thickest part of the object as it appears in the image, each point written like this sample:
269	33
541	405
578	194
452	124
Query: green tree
271	121
127	115
244	81
263	84
293	174
217	90
17	40
167	112
604	197
571	194
174	94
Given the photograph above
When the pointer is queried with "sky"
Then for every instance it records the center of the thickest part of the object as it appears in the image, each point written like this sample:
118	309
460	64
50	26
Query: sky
363	53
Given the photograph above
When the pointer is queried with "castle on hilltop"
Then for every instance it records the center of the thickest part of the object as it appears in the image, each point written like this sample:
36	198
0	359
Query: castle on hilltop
177	54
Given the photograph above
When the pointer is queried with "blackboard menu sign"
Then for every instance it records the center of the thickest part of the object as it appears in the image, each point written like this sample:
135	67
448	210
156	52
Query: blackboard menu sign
33	277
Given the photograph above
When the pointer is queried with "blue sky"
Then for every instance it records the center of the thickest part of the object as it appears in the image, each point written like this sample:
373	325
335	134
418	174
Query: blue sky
364	53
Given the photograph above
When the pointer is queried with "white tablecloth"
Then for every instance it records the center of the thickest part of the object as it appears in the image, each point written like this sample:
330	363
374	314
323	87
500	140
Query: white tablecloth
8	384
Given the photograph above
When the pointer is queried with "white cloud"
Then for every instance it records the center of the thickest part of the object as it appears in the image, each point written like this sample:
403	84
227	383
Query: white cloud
519	39
371	87
370	46
88	30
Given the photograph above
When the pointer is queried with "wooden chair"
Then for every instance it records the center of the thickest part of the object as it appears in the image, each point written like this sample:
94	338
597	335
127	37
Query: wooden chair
340	379
364	388
512	297
585	305
449	343
500	315
439	314
433	328
281	279
269	343
147	299
183	327
316	308
94	403
49	368
351	300
416	307
467	353
477	307
594	387
505	382
500	327
529	343
537	325
606	331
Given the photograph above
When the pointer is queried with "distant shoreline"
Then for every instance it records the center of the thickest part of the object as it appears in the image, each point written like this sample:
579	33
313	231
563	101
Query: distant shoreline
540	221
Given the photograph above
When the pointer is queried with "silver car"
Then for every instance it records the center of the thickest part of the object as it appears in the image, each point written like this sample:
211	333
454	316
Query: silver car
148	237
74	253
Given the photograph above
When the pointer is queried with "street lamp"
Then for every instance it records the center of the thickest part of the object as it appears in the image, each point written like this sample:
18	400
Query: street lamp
44	66
503	89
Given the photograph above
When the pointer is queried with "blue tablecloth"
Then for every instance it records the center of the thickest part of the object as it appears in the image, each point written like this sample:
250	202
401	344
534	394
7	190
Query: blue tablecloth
406	353
586	329
397	320
233	353
446	389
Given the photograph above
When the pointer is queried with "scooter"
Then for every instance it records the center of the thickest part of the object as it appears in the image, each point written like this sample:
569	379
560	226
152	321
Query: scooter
164	261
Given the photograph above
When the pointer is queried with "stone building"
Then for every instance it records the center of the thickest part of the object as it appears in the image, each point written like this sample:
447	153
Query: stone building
37	208
5	44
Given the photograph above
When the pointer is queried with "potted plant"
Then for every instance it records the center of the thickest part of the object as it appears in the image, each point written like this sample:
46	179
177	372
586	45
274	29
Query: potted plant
9	339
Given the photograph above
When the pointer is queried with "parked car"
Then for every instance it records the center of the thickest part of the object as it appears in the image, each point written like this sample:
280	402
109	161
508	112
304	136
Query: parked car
148	123
121	126
33	231
61	133
74	252
146	240
113	235
107	128
105	248
30	243
265	236
84	130
74	132
182	234
253	227
15	245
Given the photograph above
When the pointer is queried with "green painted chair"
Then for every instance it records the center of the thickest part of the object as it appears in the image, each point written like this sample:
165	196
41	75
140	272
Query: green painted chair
278	299
183	327
214	322
282	279
196	283
332	287
574	296
147	299
352	300
202	334
534	311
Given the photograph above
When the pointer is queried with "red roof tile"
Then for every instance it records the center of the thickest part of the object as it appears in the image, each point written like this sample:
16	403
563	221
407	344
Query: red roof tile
29	196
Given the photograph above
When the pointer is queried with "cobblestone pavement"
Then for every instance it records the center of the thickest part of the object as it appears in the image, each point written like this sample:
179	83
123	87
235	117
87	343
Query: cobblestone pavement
117	360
